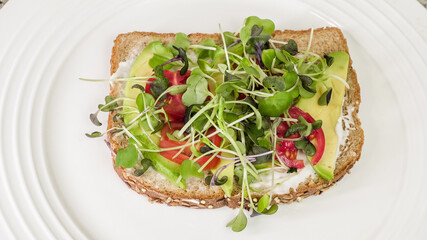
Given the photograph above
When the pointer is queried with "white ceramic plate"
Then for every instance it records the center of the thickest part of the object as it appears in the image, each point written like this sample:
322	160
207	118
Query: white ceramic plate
57	184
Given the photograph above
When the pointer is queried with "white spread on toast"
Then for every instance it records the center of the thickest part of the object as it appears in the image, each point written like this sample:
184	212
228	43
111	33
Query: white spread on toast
283	180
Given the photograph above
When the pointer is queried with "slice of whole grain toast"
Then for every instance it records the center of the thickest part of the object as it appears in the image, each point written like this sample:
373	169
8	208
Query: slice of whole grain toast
199	195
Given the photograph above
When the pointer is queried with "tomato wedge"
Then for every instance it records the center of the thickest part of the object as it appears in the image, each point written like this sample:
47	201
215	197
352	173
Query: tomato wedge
286	150
174	107
317	137
179	157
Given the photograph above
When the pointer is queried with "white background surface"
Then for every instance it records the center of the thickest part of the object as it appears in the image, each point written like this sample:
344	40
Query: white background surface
57	184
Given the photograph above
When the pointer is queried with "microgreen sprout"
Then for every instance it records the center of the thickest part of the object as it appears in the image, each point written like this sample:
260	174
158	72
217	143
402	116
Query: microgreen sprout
241	91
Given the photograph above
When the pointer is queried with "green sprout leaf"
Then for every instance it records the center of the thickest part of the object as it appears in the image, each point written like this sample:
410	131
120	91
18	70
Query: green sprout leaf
146	163
109	104
239	222
177	89
182	41
306	82
127	157
245	34
205	148
263	203
144	100
160	84
272	210
183	55
161	54
204	53
290	79
238	172
94	135
94	119
197	90
310	149
217	182
291	47
246	64
305	145
329	60
317	124
261	159
230	77
190	169
274	82
267	57
158	127
292	170
275	105
254	132
294	128
301	144
308	129
138	86
325	98
266	24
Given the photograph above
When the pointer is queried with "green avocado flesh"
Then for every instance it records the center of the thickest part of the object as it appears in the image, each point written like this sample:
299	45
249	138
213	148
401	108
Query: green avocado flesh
141	68
330	113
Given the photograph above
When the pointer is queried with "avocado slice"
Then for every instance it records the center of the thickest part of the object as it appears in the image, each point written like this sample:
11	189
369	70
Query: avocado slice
228	172
330	113
141	67
166	167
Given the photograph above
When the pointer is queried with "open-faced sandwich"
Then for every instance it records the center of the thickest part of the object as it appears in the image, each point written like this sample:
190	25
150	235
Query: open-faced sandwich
249	119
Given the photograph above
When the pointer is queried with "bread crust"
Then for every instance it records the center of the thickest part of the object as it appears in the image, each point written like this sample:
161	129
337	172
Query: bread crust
197	194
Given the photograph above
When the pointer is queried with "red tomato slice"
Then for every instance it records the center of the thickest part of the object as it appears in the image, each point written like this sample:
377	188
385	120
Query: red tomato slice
216	140
317	137
171	156
174	108
166	142
286	150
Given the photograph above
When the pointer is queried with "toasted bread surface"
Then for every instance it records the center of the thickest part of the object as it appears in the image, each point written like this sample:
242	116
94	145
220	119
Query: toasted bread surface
199	195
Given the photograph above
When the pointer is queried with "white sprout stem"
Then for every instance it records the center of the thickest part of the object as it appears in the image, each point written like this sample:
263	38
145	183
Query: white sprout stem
187	125
273	62
181	150
208	161
249	193
291	139
278	42
287	119
241	119
140	115
132	136
179	179
311	39
148	116
340	79
294	86
261	154
308	48
256	80
238	72
236	55
277	70
225	48
148	135
109	147
274	136
203	47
